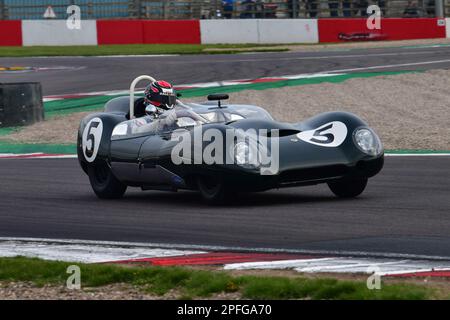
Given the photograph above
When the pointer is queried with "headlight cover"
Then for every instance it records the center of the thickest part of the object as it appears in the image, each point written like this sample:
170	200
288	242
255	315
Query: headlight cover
244	155
368	141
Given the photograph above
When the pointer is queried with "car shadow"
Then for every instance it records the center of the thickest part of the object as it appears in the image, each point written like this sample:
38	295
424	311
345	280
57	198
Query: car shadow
191	198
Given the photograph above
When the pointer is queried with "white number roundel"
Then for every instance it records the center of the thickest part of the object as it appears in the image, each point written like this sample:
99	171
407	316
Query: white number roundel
92	136
331	134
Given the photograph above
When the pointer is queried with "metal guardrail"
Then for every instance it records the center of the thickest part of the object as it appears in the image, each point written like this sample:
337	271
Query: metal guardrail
218	9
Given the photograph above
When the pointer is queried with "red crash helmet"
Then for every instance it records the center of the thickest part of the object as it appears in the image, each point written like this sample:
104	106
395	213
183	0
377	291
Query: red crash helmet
161	94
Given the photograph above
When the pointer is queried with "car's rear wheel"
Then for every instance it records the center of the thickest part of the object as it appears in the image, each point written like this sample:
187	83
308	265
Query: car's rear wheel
213	190
104	183
348	187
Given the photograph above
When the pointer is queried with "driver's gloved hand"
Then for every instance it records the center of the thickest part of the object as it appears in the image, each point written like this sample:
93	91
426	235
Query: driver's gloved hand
168	118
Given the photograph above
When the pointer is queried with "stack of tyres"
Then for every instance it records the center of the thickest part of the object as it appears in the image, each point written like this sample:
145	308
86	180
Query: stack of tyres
20	104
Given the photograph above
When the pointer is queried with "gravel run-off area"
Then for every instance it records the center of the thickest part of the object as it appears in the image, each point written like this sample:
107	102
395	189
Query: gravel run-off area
408	111
29	291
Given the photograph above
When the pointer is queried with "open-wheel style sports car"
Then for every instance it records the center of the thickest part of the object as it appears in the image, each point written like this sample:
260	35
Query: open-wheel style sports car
220	149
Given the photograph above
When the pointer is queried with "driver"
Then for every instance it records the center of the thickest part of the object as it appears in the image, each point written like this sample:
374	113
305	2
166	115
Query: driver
162	96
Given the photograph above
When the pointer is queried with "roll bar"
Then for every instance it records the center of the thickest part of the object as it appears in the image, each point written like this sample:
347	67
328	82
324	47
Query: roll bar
132	88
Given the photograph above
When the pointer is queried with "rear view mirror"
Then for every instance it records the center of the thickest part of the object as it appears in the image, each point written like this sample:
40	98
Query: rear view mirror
218	97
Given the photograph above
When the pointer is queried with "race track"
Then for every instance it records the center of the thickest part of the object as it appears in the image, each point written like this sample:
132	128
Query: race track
404	210
116	73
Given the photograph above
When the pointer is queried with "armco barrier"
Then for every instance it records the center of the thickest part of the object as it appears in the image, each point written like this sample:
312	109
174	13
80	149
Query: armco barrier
10	33
259	31
334	30
148	31
56	33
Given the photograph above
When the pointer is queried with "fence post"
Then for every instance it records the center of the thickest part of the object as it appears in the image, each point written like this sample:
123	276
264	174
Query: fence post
439	8
90	10
216	9
294	9
137	9
165	13
2	8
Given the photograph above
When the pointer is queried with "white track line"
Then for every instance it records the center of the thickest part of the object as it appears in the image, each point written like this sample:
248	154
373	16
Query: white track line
281	264
231	248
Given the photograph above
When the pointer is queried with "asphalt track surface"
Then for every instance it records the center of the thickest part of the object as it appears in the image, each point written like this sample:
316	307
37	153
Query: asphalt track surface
116	73
404	210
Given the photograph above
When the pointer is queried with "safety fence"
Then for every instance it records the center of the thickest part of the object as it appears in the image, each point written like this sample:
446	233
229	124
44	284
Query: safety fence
217	9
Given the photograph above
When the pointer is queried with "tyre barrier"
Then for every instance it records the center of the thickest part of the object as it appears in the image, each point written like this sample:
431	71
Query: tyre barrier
20	104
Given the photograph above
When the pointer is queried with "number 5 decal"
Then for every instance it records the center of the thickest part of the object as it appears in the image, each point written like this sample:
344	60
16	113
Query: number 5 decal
92	136
331	134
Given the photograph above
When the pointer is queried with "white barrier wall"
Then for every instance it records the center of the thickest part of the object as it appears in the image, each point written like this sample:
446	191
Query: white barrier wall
288	31
229	31
56	33
447	27
259	31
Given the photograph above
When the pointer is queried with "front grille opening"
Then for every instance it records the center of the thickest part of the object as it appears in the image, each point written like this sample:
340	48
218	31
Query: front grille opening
313	173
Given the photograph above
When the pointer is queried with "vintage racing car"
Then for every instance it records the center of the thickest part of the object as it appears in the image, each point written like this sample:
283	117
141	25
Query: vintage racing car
220	149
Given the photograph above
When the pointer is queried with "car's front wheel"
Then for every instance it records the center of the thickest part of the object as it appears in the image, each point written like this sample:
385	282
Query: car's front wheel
213	190
104	183
348	187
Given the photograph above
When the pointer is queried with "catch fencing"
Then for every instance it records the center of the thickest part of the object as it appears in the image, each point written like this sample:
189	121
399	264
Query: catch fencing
217	9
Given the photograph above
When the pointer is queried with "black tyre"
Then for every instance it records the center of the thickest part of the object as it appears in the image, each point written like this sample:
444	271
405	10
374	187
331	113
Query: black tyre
213	190
348	187
104	183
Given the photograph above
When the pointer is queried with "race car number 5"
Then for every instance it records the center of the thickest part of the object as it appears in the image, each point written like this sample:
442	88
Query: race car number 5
331	134
92	136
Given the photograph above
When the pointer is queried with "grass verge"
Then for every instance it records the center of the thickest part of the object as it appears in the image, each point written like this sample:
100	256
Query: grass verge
135	49
195	283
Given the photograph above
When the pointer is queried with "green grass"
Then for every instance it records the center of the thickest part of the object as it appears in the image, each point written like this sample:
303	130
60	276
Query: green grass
8	130
12	147
191	283
133	49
